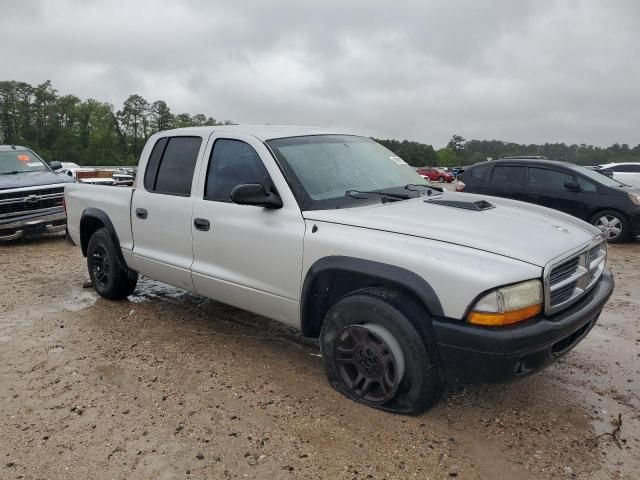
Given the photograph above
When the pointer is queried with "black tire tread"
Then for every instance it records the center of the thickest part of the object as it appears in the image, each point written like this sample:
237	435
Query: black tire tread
408	310
124	280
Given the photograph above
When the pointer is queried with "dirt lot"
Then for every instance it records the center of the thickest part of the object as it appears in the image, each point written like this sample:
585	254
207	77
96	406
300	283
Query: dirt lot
169	385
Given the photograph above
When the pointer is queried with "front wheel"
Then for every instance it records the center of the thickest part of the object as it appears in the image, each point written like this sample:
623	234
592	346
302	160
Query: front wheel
109	276
612	224
374	354
441	179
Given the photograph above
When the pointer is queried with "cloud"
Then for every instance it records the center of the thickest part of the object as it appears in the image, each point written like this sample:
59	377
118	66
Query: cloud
527	72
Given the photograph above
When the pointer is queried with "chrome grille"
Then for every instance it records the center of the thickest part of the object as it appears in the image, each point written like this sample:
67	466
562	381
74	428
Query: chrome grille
570	277
564	270
13	204
563	293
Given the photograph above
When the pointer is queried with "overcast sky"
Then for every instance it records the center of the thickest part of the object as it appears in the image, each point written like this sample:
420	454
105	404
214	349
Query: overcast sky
529	72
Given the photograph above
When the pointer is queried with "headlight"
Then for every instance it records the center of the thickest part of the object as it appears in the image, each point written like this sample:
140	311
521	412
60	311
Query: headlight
507	305
635	198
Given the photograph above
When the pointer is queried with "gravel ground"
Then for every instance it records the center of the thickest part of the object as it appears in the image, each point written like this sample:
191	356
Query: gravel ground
170	385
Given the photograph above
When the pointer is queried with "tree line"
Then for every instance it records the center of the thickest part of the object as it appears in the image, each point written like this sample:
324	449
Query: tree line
91	132
460	152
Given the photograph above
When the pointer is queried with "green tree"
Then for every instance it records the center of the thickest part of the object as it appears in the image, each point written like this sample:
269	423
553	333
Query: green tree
162	118
447	157
456	143
134	121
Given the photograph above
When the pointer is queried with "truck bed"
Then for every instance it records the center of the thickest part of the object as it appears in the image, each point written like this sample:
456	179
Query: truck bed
112	200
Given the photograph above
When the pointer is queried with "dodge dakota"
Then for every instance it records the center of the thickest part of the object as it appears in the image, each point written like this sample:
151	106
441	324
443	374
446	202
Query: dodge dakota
333	234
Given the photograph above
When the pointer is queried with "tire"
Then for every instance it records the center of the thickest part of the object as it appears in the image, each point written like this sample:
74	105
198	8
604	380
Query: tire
110	278
375	355
441	179
613	224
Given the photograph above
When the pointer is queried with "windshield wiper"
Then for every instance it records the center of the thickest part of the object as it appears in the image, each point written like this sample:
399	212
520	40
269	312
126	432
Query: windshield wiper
430	188
10	173
393	197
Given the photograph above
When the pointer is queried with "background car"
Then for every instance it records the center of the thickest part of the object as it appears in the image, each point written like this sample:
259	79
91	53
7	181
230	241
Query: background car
604	202
457	171
627	173
436	174
31	194
90	175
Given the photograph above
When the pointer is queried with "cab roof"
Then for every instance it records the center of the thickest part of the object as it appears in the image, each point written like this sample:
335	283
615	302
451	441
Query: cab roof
261	132
526	160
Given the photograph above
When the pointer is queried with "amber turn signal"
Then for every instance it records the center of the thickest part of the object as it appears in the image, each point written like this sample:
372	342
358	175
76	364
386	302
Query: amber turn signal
505	318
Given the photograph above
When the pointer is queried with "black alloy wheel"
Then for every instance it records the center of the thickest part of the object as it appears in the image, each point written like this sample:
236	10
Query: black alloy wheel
99	266
370	362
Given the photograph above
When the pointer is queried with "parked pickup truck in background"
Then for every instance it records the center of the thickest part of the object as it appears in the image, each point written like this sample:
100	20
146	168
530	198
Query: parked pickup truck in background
31	194
333	234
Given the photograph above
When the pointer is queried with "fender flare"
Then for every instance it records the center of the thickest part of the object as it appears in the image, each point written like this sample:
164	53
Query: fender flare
386	273
100	215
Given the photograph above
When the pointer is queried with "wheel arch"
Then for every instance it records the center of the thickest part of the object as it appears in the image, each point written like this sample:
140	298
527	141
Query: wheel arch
599	209
331	278
93	219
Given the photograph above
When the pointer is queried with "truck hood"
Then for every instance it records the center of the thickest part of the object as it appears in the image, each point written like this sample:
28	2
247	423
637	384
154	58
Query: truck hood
32	179
518	230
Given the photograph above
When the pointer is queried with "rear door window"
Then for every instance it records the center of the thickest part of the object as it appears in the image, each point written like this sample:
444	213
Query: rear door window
507	175
171	165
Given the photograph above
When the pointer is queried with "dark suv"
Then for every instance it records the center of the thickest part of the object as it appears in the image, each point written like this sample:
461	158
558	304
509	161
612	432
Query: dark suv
611	206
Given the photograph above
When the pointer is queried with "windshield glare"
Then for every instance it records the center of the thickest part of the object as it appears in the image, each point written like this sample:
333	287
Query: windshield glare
327	166
20	161
599	177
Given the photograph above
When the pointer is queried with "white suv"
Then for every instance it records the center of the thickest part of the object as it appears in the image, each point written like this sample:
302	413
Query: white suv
627	173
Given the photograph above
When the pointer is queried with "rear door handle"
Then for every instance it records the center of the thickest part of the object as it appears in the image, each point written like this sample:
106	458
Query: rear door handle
141	213
201	224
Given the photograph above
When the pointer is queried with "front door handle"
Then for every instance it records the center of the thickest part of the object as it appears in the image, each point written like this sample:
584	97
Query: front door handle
201	224
141	213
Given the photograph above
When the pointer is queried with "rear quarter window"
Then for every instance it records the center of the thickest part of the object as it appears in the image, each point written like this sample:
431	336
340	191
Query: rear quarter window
476	174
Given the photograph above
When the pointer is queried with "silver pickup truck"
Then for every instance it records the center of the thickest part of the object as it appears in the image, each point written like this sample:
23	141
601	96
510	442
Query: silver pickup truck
31	194
406	287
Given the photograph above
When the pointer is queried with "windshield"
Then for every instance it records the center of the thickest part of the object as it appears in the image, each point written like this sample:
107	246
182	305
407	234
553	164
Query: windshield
598	177
20	161
325	167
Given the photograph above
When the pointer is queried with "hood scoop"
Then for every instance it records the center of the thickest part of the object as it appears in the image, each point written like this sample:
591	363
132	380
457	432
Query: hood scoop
478	205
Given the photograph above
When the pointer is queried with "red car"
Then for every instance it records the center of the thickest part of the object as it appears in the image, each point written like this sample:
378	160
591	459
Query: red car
436	174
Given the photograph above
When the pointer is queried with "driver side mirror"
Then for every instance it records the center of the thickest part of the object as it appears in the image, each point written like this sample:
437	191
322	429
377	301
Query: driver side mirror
572	186
55	165
255	194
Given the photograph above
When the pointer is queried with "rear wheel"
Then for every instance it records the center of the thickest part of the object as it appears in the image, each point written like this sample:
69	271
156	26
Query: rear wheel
374	354
441	179
612	224
109	276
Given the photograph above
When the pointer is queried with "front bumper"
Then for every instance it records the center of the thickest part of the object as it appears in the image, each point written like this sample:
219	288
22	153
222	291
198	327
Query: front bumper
472	354
52	221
